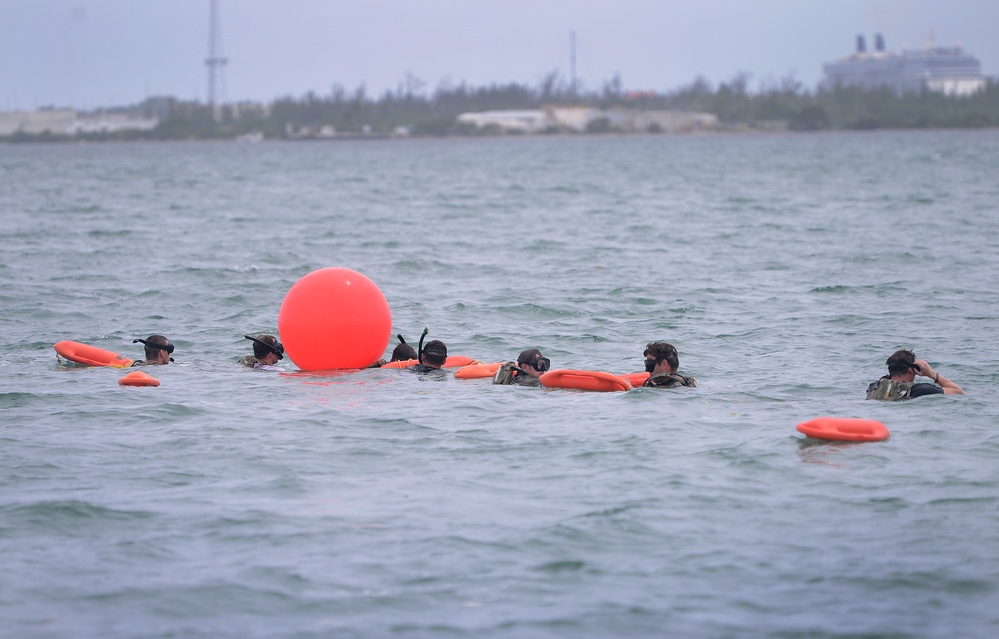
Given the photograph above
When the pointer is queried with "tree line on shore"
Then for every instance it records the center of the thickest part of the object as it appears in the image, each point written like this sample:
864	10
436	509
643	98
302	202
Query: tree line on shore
783	103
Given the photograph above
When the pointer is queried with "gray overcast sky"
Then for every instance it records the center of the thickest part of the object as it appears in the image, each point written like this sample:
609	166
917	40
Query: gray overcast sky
92	53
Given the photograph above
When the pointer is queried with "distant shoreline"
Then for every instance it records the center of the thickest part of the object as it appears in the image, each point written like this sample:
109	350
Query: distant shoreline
374	137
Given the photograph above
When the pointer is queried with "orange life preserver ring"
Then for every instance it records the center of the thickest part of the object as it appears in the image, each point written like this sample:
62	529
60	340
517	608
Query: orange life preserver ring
846	429
90	355
585	380
477	371
138	378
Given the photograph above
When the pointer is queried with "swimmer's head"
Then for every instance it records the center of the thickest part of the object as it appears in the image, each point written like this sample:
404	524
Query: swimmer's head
403	352
154	345
264	345
663	351
533	359
434	353
900	362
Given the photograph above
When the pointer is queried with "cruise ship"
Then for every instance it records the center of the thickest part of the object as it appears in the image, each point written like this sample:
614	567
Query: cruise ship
947	70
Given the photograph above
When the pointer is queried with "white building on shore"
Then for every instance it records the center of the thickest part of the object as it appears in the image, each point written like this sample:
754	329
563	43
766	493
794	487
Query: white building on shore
581	119
54	121
69	122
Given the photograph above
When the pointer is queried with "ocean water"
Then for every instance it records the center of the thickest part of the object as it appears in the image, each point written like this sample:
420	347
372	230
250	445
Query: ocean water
237	503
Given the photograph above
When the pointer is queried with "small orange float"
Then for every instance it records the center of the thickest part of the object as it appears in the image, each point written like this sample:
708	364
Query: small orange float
138	378
846	429
90	355
585	380
477	371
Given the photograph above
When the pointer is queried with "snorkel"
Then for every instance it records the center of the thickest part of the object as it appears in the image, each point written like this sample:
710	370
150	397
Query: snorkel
275	348
419	351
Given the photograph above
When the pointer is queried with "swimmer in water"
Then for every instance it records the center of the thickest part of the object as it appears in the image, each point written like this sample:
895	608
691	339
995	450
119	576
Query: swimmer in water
661	363
401	353
432	356
900	384
157	350
526	371
267	351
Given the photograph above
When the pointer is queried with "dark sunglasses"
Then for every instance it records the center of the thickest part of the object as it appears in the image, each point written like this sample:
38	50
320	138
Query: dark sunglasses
168	348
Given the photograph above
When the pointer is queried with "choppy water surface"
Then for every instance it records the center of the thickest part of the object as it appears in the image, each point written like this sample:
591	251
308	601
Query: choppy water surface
238	503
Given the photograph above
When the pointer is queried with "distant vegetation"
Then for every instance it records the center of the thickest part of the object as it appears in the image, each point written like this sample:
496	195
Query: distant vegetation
783	103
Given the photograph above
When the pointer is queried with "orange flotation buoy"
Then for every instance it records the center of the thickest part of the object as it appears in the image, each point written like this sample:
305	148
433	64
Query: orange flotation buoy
585	380
90	355
334	318
477	371
138	378
637	380
846	429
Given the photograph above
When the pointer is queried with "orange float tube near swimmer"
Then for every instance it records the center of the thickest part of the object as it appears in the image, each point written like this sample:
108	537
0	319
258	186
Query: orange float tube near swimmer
477	371
138	378
636	380
454	361
402	363
585	380
845	429
90	355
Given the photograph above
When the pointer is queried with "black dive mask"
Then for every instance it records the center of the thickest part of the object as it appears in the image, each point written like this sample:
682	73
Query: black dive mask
275	348
650	364
168	348
541	364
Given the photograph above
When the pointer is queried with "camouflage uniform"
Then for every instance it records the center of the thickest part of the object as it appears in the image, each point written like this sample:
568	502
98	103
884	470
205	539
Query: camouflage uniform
670	380
249	361
887	389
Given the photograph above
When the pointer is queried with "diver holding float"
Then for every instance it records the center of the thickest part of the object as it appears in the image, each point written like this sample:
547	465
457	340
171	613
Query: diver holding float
526	371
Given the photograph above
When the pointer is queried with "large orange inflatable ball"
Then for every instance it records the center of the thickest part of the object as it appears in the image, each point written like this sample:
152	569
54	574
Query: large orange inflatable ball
334	318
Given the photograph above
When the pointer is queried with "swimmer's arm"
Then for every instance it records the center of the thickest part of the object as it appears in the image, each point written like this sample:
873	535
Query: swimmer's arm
949	387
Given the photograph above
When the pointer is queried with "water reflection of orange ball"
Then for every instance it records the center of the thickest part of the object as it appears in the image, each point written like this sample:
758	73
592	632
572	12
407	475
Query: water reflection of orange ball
334	318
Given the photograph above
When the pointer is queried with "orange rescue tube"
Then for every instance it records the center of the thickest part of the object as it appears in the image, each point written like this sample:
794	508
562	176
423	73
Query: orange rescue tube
585	380
402	363
477	371
454	361
90	355
138	378
845	429
636	380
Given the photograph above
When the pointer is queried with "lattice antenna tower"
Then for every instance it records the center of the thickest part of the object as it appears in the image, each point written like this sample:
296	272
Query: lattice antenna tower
216	61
